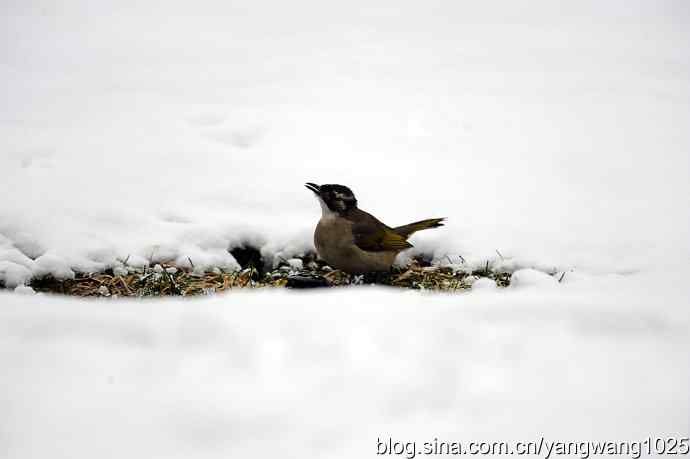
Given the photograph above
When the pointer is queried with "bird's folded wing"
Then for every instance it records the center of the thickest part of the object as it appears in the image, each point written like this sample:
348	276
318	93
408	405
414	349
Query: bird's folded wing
374	236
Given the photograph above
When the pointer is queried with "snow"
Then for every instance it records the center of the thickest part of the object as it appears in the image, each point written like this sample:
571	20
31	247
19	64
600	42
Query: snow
483	283
531	277
24	290
295	263
554	134
280	373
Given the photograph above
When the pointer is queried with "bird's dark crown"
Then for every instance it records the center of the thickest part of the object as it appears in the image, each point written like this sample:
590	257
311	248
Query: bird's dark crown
338	198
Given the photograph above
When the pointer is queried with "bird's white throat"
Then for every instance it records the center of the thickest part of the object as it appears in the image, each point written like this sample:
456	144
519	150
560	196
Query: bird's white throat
326	213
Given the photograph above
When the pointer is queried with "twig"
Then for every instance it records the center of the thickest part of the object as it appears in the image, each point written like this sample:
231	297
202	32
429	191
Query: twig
191	262
499	254
561	278
174	289
124	284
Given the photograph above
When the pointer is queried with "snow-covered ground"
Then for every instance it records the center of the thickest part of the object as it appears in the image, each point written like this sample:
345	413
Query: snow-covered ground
553	132
283	374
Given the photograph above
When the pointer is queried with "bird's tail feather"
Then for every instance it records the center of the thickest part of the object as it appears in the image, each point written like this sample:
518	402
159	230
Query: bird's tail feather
408	230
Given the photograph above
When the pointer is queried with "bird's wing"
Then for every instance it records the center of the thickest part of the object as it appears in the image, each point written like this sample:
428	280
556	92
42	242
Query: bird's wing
372	235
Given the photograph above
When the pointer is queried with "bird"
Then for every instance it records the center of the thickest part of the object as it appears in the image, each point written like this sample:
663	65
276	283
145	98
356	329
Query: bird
354	241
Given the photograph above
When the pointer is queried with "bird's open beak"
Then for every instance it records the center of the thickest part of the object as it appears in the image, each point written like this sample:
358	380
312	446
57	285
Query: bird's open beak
313	187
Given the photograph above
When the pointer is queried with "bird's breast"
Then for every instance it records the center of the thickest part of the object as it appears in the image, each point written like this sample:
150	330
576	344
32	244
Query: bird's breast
332	232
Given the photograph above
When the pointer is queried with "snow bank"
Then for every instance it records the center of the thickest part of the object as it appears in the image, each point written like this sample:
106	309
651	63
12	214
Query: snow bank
555	134
288	374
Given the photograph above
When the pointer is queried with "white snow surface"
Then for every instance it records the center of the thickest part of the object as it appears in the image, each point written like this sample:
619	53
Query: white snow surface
555	133
283	374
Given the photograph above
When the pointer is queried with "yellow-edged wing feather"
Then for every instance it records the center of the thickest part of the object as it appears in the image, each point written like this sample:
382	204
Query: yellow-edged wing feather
372	235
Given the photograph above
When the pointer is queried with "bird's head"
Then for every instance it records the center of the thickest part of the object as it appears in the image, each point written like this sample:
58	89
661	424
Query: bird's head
336	198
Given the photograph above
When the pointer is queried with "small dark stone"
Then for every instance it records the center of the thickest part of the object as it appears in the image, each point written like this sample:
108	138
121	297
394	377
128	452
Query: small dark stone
306	281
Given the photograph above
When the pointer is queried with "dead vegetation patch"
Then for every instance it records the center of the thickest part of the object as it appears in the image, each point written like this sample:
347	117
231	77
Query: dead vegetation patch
166	279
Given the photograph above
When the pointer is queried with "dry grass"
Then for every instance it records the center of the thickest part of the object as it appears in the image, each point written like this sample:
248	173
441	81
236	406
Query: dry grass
165	279
150	282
